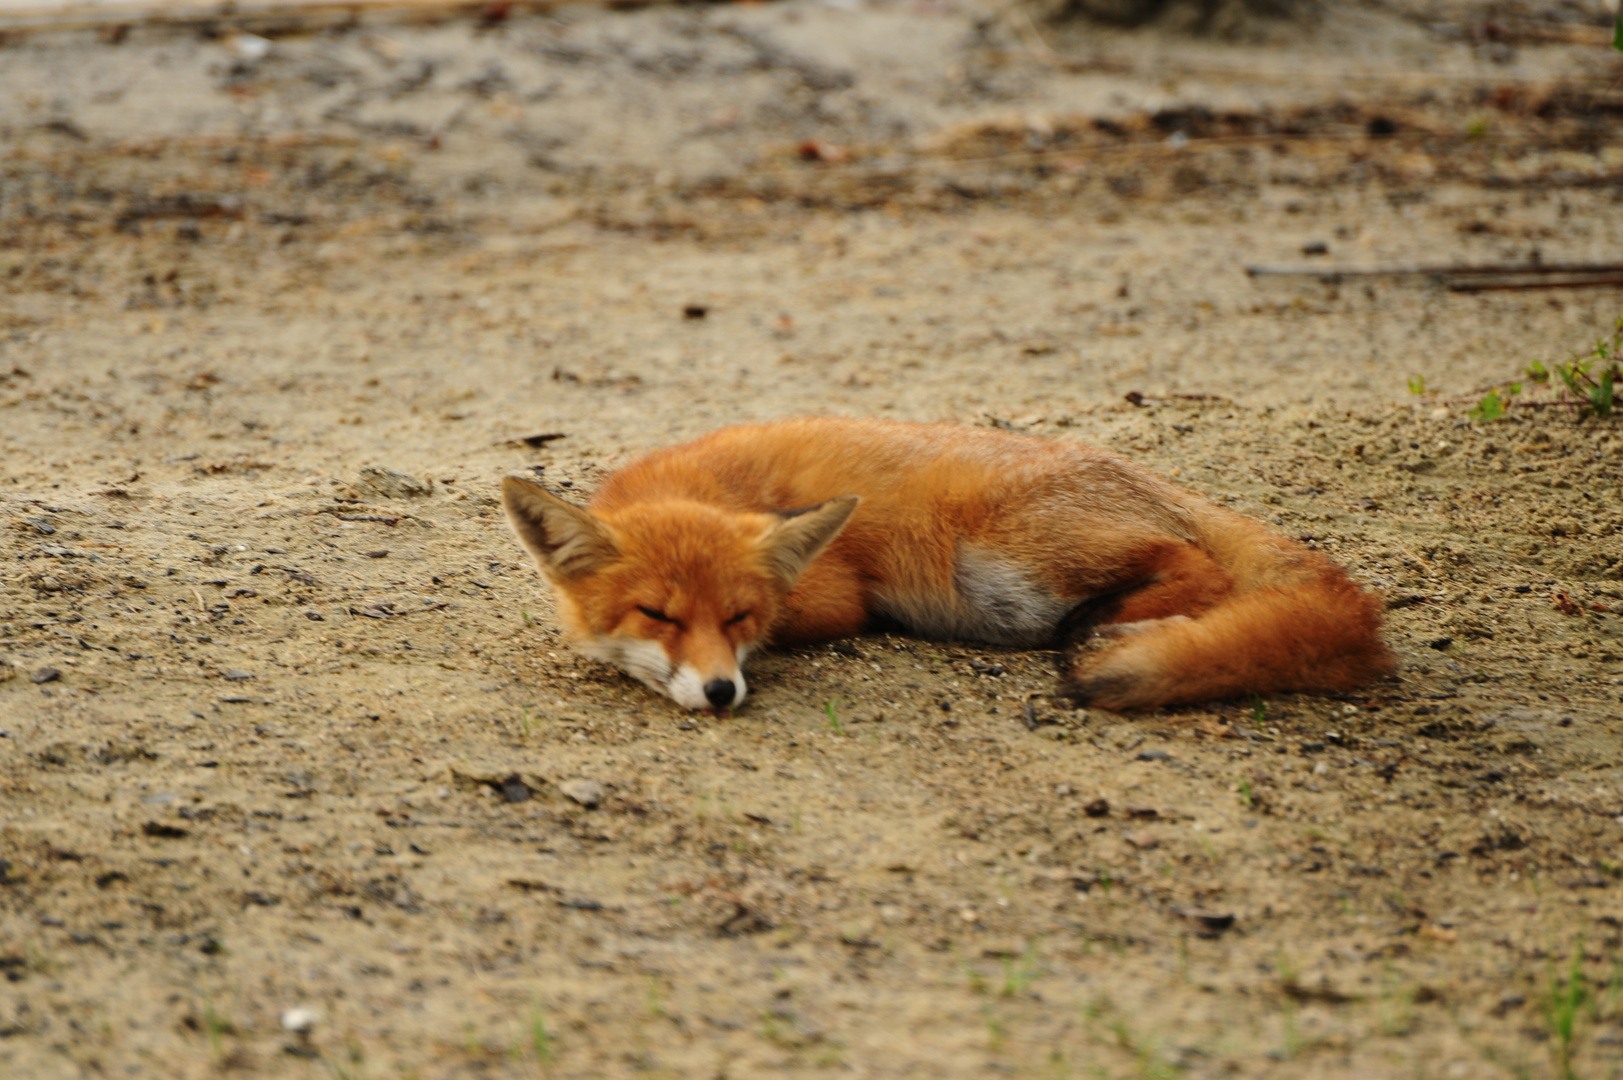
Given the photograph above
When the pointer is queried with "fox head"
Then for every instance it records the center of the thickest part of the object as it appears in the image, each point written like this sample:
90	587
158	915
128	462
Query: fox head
676	593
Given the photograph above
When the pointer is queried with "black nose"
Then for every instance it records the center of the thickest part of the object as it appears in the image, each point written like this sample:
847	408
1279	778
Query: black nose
719	692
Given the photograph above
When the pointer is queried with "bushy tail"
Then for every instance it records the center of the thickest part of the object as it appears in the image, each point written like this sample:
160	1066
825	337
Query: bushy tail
1293	621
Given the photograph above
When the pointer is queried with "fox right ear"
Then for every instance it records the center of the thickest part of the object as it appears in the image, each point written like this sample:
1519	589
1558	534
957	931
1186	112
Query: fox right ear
803	534
566	540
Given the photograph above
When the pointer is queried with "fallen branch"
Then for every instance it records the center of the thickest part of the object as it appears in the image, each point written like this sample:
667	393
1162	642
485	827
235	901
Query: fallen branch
284	15
1464	278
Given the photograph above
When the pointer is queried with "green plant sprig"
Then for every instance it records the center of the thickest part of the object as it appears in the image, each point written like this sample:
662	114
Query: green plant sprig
1588	381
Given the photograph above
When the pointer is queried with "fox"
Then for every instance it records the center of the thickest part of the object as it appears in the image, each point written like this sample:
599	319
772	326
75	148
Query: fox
689	560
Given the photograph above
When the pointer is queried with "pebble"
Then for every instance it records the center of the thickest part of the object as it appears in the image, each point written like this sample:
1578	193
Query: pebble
1209	924
1099	807
394	485
251	47
586	792
45	675
298	1019
581	903
237	676
1154	755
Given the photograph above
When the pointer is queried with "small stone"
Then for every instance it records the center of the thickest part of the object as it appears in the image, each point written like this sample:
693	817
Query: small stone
514	789
1208	924
1148	813
376	554
45	675
581	903
251	47
7	671
1143	840
237	676
586	792
1154	755
41	526
1099	807
394	485
298	1019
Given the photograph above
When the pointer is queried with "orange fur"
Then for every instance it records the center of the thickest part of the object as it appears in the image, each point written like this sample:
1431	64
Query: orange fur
959	532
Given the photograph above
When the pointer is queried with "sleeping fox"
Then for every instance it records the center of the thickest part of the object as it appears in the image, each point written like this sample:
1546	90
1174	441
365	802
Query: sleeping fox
803	531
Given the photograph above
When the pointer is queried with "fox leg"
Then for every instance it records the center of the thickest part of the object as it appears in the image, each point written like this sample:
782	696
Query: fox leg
1185	581
1165	580
1134	629
1173	582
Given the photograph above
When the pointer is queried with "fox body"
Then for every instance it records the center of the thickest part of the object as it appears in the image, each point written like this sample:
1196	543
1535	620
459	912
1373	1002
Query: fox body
803	531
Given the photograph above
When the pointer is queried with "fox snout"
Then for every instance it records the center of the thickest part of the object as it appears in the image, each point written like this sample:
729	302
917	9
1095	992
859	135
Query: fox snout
716	685
720	692
691	688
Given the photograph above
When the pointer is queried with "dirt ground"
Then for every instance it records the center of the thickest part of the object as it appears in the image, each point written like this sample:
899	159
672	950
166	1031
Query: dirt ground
285	720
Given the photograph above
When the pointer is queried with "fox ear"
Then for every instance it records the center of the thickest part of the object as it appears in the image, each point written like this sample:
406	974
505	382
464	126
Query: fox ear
565	540
803	534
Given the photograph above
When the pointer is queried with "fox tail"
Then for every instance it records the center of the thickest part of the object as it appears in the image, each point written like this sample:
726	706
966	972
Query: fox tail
1292	620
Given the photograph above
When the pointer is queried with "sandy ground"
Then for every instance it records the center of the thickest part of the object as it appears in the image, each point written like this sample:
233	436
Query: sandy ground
286	720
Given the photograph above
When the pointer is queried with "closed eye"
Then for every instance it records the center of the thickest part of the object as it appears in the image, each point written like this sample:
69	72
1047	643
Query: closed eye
655	614
740	617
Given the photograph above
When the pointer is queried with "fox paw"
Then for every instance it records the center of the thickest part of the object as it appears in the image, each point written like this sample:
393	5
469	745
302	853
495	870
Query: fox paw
1093	684
1117	676
1084	692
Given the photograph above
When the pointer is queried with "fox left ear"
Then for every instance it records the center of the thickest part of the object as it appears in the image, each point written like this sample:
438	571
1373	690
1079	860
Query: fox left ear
566	540
792	545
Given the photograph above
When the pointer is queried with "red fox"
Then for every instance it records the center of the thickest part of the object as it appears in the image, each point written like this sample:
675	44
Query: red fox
808	530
